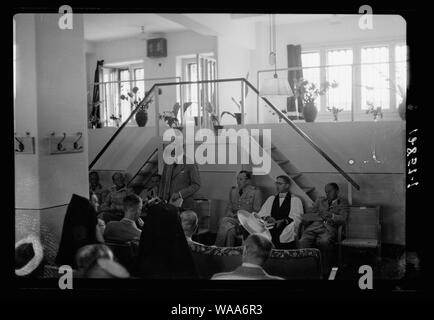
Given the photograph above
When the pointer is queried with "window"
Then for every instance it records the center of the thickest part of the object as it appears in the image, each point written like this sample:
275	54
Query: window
341	96
191	94
311	59
139	74
375	77
400	72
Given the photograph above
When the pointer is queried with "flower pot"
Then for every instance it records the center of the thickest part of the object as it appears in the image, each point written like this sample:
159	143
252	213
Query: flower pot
238	117
309	112
217	130
401	109
196	122
141	117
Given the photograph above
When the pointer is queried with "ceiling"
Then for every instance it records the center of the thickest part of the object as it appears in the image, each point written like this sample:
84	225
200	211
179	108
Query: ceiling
103	27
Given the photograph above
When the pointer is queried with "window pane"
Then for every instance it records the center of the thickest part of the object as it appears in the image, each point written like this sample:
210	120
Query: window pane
125	88
139	74
311	59
341	96
401	72
192	97
375	75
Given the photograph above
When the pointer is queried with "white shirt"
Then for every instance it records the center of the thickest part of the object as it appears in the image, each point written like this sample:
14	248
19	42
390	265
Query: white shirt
288	234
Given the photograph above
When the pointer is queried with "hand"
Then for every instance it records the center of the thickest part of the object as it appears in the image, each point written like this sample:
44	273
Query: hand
279	223
140	222
175	197
325	215
269	219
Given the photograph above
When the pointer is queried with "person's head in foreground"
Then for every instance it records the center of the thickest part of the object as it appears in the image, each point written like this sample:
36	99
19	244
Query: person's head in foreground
29	255
87	255
189	223
332	191
282	184
257	249
133	206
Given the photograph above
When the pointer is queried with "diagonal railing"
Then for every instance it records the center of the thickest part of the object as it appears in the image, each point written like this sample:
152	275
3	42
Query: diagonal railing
278	112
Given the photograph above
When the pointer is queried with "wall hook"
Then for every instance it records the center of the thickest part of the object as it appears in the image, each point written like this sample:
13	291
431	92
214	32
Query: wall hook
76	147
59	145
20	145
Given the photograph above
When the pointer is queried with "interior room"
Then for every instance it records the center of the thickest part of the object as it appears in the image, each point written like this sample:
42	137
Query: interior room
99	98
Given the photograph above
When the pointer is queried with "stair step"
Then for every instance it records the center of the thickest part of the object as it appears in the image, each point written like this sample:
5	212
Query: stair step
308	189
295	175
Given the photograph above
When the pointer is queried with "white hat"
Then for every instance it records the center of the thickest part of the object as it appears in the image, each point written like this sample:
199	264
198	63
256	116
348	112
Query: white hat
30	266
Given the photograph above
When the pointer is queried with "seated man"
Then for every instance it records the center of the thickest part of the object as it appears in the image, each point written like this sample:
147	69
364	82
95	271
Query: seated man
257	249
95	188
112	208
285	211
126	229
245	197
189	223
322	220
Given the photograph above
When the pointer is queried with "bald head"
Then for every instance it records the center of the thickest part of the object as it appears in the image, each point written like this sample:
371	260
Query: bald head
257	249
189	222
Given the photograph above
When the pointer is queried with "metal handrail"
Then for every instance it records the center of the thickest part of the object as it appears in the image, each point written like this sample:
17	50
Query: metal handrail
279	113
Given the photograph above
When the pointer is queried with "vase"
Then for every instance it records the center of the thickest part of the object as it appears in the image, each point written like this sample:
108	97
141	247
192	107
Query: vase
141	117
238	117
401	109
309	112
196	122
217	130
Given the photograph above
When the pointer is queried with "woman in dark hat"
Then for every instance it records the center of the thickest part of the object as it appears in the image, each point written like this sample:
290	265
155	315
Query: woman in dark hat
79	229
163	249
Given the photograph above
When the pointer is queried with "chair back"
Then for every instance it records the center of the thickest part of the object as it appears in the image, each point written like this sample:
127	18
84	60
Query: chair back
363	223
124	253
202	208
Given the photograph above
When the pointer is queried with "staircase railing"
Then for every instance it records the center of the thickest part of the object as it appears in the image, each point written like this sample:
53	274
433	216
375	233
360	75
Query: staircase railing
246	82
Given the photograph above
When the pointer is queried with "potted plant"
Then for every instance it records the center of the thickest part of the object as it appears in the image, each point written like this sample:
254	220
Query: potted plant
214	118
309	92
141	116
116	119
171	117
375	111
335	111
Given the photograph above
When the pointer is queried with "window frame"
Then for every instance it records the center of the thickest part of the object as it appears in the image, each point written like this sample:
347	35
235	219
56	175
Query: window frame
359	113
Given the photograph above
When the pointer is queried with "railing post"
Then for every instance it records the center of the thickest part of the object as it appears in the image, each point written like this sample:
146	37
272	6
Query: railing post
157	112
242	103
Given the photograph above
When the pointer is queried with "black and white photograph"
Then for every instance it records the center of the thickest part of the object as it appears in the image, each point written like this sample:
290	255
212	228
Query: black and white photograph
202	147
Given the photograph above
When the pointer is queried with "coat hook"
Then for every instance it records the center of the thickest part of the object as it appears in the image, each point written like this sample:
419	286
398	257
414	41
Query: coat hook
76	142
20	145
59	145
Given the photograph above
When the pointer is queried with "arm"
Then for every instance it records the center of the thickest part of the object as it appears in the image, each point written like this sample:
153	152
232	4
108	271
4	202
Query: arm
229	207
312	213
194	183
266	208
340	212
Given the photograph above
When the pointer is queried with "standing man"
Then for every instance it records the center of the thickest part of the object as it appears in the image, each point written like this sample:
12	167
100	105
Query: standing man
243	197
96	188
180	182
285	211
322	221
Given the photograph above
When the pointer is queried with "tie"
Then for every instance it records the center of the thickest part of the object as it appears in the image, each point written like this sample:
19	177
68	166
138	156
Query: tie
240	192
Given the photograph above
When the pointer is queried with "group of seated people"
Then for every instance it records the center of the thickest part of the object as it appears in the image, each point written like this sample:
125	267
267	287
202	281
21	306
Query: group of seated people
161	226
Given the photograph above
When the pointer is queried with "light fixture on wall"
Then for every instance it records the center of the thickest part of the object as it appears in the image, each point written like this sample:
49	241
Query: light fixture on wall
275	86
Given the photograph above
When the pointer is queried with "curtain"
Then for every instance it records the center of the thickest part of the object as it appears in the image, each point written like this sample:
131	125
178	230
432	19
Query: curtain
96	110
294	60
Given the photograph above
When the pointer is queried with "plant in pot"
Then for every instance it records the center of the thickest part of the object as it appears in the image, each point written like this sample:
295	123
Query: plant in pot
214	118
171	117
375	111
117	120
141	116
309	92
335	111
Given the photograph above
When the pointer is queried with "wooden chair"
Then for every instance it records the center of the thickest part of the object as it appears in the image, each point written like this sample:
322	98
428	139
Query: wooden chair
362	230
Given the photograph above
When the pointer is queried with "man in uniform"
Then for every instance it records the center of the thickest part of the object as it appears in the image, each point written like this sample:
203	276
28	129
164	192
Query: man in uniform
243	197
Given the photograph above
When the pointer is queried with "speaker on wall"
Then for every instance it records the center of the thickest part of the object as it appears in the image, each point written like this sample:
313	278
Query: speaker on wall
157	48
